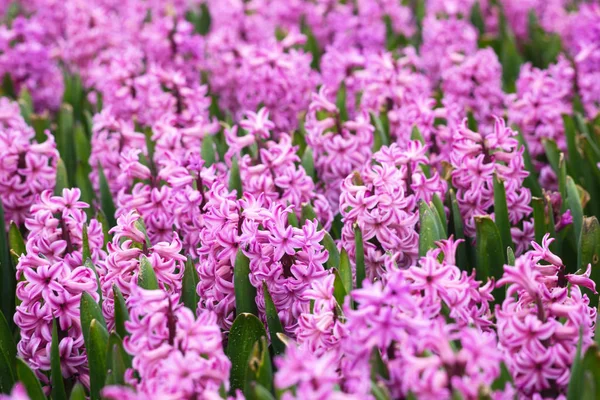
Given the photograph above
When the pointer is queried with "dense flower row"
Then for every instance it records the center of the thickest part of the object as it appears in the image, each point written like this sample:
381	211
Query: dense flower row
183	162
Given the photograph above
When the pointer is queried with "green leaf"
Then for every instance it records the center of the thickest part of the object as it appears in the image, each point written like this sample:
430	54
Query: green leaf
261	393
458	231
121	312
501	213
27	377
89	310
8	88
7	273
245	293
490	254
65	140
82	181
340	102
245	331
576	389
26	104
89	264
381	137
308	163
361	273
8	354
510	256
511	62
574	204
539	218
308	213
273	321
339	291
333	261
531	181
97	356
259	369
189	295
62	178
431	229
118	361
208	150
589	252
78	392
147	277
345	271
85	244
378	367
477	18
575	160
16	243
235	181
504	378
58	385
438	205
106	200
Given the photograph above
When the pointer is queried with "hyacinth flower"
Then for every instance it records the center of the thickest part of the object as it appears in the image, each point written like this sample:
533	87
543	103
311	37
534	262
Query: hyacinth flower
543	318
28	62
175	354
476	160
542	97
339	147
274	75
582	38
27	168
431	325
474	84
382	200
52	278
129	244
271	168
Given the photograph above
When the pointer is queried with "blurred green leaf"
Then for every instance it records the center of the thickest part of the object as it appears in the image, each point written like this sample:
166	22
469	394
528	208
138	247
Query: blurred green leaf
539	218
431	230
118	361
58	385
189	295
245	331
477	18
490	253
8	355
340	102
273	322
106	200
589	252
345	270
574	204
235	181
147	277
96	349
531	181
361	273
62	178
259	369
333	260
438	206
458	232
501	213
208	150
245	293
27	377
78	392
7	273
16	243
308	163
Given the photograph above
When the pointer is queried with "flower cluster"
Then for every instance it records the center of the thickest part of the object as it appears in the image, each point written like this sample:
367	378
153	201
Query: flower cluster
53	280
27	167
175	354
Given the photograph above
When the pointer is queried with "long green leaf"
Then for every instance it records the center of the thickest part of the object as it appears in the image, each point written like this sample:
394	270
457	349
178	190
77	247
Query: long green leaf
245	331
208	150
431	230
490	254
339	291
259	369
89	310
8	354
7	273
458	231
539	219
121	312
245	293
189	294
78	392
58	385
97	356
345	271
118	361
235	180
308	163
16	243
106	200
501	213
589	252
333	261
361	272
27	377
273	321
574	204
62	178
147	277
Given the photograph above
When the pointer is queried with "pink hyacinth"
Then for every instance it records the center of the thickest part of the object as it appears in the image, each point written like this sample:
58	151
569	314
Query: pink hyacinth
52	279
27	167
476	160
382	200
175	354
541	320
121	269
